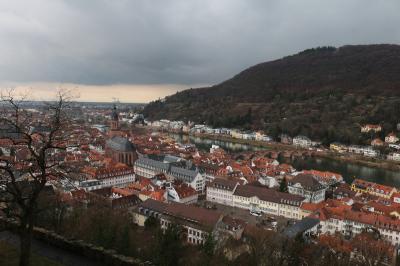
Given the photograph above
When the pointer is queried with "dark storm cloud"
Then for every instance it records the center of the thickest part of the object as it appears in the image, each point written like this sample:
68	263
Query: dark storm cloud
186	42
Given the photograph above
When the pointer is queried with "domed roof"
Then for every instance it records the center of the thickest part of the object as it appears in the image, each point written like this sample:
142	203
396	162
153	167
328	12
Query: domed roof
114	114
121	144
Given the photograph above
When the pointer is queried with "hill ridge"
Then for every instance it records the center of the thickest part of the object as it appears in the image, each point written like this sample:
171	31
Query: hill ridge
307	93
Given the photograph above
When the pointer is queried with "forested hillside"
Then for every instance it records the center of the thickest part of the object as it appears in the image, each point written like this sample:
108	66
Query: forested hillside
324	93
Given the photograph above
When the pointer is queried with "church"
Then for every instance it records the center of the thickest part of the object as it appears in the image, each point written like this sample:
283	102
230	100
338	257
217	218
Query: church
118	146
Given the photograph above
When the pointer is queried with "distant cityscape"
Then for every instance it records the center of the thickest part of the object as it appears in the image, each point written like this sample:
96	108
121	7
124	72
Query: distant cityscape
200	133
133	166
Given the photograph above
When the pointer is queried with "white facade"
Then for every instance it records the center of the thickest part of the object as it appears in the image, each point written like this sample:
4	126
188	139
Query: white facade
302	141
350	227
363	150
194	235
311	196
391	138
268	201
173	195
198	183
268	181
278	209
394	156
220	194
89	185
120	180
148	168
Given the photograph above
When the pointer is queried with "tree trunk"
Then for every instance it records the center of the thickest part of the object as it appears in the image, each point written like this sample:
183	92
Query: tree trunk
25	247
25	237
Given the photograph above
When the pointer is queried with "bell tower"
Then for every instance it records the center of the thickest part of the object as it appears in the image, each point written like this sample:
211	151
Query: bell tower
114	124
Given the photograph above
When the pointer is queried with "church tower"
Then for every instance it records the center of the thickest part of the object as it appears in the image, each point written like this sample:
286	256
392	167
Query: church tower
114	119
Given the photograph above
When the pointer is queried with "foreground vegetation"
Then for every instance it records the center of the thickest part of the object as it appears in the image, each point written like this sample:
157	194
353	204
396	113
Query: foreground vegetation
113	229
9	256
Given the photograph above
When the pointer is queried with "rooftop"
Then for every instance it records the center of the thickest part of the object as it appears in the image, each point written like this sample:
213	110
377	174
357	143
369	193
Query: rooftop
267	194
120	144
300	227
307	181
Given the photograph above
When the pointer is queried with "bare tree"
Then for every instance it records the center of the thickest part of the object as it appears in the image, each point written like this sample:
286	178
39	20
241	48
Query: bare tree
369	250
24	173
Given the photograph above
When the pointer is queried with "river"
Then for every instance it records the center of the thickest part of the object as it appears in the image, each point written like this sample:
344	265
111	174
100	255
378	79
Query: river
348	170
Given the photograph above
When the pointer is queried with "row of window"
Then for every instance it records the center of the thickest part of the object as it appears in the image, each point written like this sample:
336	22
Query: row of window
195	241
219	195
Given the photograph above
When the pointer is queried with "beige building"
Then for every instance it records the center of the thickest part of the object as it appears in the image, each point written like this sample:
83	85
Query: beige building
221	191
268	201
196	223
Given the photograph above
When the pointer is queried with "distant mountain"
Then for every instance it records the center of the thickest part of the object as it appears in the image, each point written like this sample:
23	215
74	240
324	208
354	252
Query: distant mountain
324	93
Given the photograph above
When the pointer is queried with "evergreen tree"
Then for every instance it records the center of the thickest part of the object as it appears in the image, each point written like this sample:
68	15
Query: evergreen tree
209	246
169	246
283	185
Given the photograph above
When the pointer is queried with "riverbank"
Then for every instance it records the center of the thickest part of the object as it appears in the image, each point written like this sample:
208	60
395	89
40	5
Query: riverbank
280	147
375	163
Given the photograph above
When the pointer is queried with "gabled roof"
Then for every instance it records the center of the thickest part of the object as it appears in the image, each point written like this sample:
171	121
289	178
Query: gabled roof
307	181
153	205
120	144
224	184
184	190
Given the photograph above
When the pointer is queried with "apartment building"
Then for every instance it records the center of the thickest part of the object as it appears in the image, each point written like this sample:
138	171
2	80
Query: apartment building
348	222
268	201
221	191
174	168
197	223
308	186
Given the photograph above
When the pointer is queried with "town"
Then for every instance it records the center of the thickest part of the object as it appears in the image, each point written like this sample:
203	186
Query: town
199	133
132	166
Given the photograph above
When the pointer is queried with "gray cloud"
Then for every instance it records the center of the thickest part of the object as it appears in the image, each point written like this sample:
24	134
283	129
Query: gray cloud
175	41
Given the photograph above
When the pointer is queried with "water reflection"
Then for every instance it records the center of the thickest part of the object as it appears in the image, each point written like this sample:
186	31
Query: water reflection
204	144
347	170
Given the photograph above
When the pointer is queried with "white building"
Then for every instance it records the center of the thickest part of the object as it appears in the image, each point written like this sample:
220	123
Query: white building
268	181
302	141
89	185
115	177
181	193
363	150
307	186
221	191
268	201
391	138
173	167
394	156
349	222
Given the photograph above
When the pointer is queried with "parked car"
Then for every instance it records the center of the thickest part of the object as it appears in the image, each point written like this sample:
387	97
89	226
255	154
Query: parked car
272	221
255	213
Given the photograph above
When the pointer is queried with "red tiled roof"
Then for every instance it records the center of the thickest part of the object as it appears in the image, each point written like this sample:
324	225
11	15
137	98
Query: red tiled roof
184	190
346	213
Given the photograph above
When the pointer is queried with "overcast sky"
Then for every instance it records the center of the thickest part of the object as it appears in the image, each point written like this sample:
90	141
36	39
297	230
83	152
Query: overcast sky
141	50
